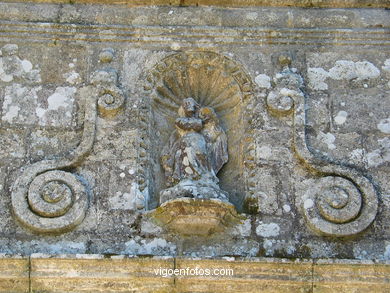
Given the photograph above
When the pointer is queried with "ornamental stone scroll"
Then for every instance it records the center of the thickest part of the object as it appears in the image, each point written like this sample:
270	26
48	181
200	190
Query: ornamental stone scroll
47	197
341	201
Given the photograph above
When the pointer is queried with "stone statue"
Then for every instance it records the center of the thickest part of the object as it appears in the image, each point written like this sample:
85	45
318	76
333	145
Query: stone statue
216	138
194	154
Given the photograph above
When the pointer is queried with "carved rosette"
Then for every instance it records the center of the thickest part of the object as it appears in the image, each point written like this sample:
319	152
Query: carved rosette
341	201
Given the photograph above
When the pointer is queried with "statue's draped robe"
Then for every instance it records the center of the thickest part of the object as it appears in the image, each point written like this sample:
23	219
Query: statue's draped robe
185	156
217	145
193	155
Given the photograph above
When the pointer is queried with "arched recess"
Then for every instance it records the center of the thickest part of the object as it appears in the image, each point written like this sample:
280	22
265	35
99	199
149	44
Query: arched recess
213	80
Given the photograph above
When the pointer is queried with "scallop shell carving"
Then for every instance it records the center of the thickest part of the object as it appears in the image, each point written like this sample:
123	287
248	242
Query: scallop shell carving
209	78
213	80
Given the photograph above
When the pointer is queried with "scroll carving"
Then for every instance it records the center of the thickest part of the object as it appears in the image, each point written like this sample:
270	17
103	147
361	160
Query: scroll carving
111	98
342	201
47	197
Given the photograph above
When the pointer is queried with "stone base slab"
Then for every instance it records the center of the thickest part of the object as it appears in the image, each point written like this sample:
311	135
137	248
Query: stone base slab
101	273
232	3
14	274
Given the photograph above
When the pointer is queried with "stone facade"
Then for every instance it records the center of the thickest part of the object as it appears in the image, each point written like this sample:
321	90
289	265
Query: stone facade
89	96
99	273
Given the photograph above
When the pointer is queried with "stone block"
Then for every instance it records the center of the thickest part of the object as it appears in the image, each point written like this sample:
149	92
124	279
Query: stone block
350	276
94	273
257	275
14	274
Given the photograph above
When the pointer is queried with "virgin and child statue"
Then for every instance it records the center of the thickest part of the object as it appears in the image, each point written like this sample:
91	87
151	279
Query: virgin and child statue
194	154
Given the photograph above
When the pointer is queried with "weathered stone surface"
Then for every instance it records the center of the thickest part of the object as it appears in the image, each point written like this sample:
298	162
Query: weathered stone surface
94	273
350	276
320	111
265	275
12	144
120	273
231	3
192	216
14	274
49	143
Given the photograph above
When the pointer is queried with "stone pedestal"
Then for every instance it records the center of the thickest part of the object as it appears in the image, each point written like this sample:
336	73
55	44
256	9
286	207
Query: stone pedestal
200	217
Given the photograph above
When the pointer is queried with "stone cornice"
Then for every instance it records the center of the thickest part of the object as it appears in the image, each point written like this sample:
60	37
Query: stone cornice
230	3
203	36
199	26
92	273
249	17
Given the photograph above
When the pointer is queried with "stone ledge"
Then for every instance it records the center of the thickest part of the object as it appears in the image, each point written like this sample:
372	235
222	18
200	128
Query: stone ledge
14	274
99	273
103	22
351	276
230	3
93	274
250	275
185	37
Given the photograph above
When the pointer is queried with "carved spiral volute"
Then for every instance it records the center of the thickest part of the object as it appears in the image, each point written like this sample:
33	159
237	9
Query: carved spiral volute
343	201
337	206
47	199
111	101
56	202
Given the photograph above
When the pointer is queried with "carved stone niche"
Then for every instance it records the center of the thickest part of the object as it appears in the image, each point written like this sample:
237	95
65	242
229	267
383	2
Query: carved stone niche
216	85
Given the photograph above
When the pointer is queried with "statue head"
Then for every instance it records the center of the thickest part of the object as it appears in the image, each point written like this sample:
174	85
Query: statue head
207	114
188	108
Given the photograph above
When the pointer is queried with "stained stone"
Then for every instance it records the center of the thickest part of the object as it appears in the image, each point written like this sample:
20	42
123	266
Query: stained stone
189	217
194	129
